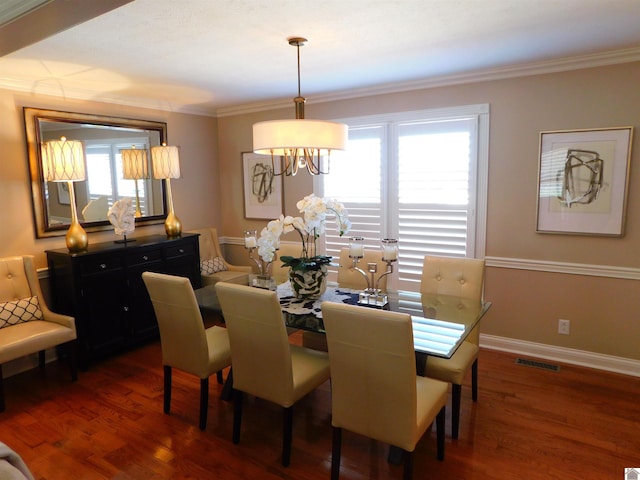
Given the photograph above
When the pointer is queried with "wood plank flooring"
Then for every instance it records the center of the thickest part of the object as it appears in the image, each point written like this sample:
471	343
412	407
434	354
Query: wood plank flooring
528	423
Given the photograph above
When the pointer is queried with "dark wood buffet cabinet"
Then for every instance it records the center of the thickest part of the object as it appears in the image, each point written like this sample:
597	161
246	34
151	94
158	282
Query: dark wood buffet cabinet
103	289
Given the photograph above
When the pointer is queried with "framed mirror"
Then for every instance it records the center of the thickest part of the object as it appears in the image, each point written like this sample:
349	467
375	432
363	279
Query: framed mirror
103	139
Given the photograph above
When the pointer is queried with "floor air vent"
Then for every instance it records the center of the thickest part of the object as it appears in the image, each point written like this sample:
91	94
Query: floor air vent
533	363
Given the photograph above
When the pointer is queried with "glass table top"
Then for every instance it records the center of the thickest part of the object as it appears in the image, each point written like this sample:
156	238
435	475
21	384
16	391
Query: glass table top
445	323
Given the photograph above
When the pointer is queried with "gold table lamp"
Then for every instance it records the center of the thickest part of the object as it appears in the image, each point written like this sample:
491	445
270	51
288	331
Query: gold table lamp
165	161
63	161
135	167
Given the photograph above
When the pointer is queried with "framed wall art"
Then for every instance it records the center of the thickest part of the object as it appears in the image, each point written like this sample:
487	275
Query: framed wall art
582	181
262	189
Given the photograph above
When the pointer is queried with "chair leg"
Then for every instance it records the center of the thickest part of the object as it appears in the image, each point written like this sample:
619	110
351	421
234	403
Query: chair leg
456	395
287	434
219	377
167	389
1	391
41	358
474	380
440	419
336	449
408	465
237	414
204	402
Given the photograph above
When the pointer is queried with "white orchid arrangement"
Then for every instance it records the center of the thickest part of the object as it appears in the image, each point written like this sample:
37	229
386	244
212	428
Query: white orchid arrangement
310	226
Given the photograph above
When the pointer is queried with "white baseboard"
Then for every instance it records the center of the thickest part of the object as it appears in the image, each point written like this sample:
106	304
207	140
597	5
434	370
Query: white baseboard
571	356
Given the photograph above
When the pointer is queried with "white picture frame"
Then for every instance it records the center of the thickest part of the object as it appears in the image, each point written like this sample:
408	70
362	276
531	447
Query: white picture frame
263	193
583	178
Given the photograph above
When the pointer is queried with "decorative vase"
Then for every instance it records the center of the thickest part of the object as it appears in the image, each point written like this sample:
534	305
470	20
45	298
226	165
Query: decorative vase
309	284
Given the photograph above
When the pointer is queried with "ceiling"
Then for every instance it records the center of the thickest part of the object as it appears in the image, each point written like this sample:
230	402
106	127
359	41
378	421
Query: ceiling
217	57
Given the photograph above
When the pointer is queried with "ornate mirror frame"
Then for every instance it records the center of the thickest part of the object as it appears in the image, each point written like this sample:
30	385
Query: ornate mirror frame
37	121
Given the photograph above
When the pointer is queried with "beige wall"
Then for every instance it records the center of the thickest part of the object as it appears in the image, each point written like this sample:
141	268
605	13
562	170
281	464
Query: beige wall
527	304
196	198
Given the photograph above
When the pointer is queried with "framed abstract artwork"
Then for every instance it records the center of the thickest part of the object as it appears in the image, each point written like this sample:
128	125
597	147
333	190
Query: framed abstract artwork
262	188
582	181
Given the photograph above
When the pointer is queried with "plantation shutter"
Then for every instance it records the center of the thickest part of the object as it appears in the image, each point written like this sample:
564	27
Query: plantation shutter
413	179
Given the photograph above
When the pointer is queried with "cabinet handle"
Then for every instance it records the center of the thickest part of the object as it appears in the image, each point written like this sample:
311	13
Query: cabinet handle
181	250
125	308
103	266
145	258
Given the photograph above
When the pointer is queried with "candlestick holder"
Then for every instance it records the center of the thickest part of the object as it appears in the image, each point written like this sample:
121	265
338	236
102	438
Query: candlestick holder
262	279
372	296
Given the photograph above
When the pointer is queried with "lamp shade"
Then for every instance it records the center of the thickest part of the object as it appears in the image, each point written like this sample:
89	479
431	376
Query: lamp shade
279	137
63	160
165	161
134	164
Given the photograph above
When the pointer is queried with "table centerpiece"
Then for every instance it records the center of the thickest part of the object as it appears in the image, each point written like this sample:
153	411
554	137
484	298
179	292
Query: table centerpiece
307	272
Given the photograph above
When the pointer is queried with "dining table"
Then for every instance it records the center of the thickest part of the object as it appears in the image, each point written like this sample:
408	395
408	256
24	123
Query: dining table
440	322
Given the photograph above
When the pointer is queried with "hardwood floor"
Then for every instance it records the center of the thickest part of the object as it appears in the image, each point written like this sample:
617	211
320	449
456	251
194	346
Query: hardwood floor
528	423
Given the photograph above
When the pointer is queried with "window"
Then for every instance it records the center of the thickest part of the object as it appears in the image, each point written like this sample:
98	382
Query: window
104	172
419	177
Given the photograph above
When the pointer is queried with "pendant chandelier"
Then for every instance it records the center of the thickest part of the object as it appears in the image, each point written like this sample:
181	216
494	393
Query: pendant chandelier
299	143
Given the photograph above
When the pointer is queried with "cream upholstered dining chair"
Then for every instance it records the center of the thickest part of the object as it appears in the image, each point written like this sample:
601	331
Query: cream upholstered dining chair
349	278
264	363
460	277
26	324
375	391
280	273
186	344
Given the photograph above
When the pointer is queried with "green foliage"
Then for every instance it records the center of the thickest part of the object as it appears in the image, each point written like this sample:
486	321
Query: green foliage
305	264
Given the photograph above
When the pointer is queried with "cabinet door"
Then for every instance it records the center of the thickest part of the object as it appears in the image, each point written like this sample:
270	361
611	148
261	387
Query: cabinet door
104	305
183	259
140	314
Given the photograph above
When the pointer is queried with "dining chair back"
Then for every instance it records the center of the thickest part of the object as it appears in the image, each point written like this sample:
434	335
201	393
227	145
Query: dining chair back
264	363
464	278
280	273
374	388
350	278
186	344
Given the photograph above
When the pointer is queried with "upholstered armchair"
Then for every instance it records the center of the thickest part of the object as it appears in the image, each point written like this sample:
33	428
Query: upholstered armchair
222	271
214	268
27	325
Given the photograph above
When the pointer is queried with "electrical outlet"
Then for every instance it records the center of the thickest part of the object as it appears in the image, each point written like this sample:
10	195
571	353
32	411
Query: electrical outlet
564	327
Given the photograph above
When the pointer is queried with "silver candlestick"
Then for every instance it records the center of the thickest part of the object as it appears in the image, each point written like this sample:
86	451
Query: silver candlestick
372	295
263	279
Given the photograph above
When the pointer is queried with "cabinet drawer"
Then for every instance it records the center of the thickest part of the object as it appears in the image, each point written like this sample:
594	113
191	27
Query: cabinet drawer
140	258
180	250
100	264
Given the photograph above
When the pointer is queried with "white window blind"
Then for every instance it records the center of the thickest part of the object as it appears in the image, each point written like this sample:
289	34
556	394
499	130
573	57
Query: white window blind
104	172
413	178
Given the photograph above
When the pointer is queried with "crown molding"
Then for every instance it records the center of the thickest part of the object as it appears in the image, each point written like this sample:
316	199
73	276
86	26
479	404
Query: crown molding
66	93
537	68
613	57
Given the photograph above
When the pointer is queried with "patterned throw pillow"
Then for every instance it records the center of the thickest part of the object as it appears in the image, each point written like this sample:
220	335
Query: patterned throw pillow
18	311
213	265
